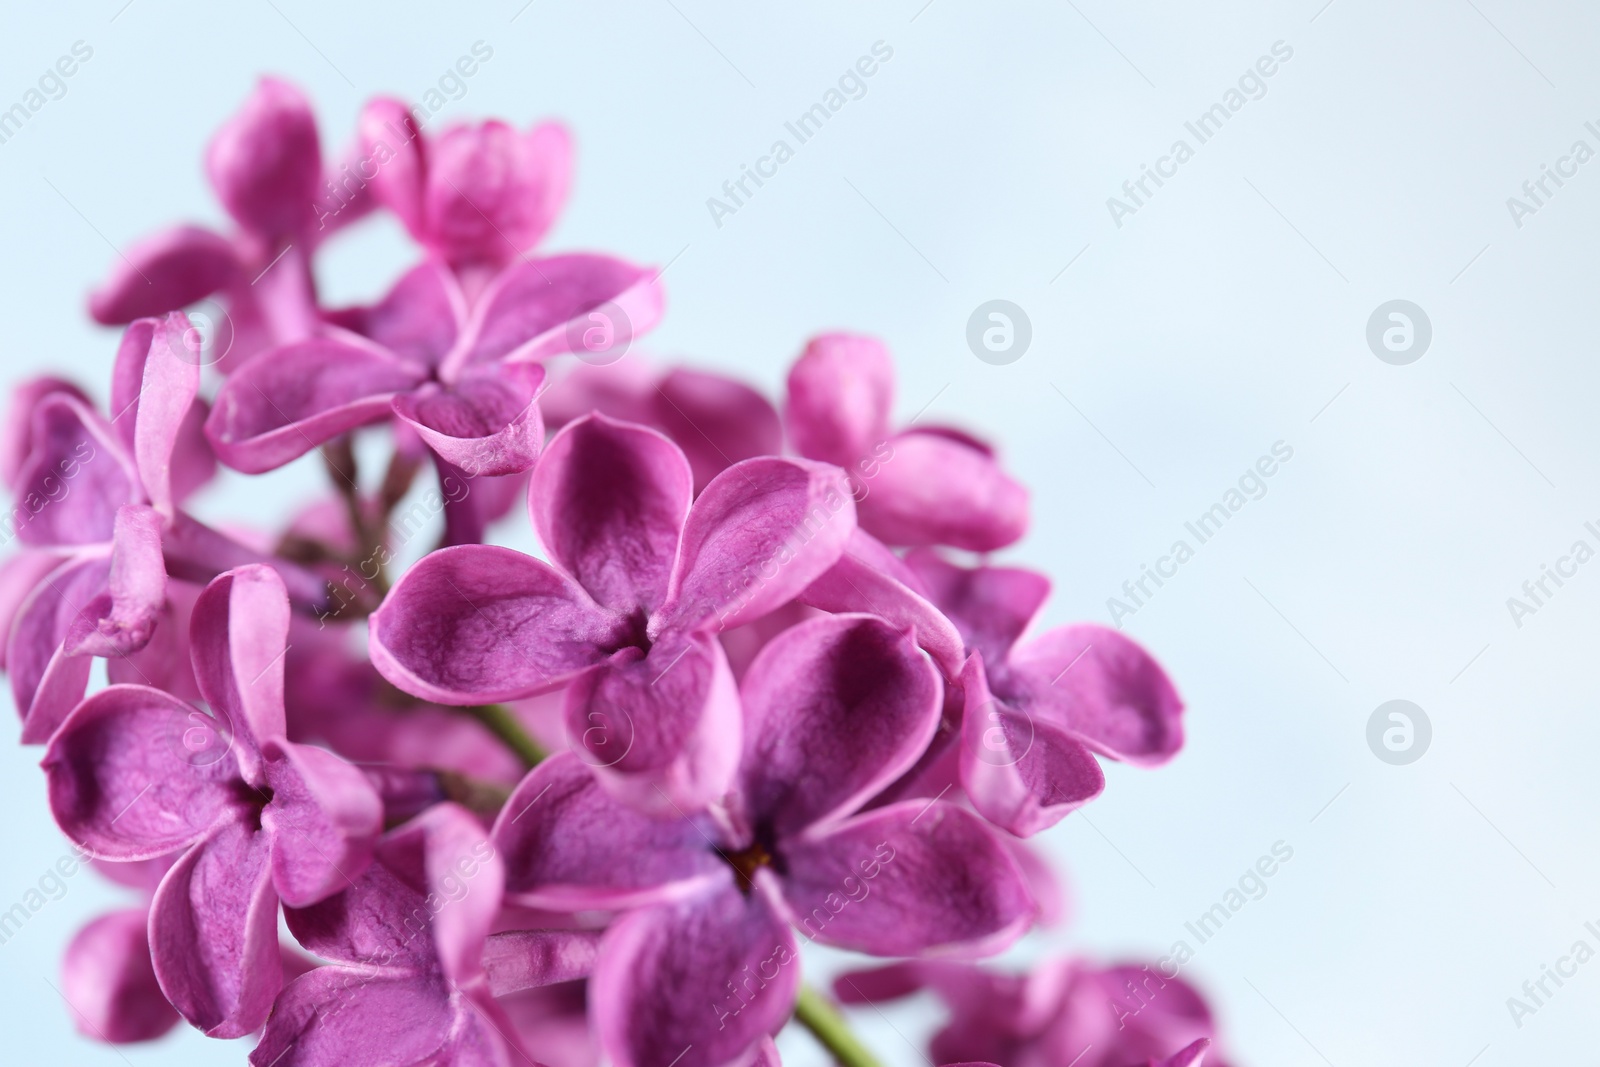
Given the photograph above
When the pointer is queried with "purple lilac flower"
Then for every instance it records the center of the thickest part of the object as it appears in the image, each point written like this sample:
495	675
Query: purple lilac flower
135	773
930	486
626	612
705	963
1061	1011
265	165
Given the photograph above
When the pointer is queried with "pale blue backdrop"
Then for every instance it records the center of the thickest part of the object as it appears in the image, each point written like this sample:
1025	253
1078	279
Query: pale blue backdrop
1226	313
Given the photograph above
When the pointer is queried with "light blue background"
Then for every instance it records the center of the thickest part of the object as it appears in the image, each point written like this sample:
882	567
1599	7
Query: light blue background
1227	314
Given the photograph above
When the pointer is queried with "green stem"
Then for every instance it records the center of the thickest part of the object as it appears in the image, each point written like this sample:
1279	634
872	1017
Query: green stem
498	720
817	1014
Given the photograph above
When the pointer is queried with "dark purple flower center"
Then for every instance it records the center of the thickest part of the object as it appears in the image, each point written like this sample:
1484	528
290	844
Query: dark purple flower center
761	852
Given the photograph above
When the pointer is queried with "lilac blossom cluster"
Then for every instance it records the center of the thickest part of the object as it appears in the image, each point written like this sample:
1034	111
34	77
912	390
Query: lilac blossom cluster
761	689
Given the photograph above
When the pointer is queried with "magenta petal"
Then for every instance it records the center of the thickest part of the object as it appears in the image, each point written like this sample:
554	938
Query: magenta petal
265	163
239	632
840	392
107	979
529	959
135	773
608	501
121	622
381	922
836	708
323	818
696	983
543	307
285	402
164	272
16	431
77	476
418	320
348	1017
662	732
167	384
214	932
717	421
569	845
192	463
476	624
1105	688
491	192
913	878
870	578
46	681
1189	1056
21	573
486	424
445	853
127	378
390	138
991	606
1023	773
761	532
935	490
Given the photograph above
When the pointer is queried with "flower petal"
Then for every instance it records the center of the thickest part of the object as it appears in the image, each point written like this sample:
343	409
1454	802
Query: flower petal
1022	772
717	421
107	979
761	532
323	818
285	402
935	490
661	731
477	624
348	1017
46	681
529	959
164	272
419	319
1104	687
491	192
835	708
265	163
153	387
16	432
445	853
20	574
390	139
870	578
661	967
134	773
527	310
991	606
238	633
214	932
486	424
840	392
568	844
381	923
121	621
608	500
913	878
76	477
